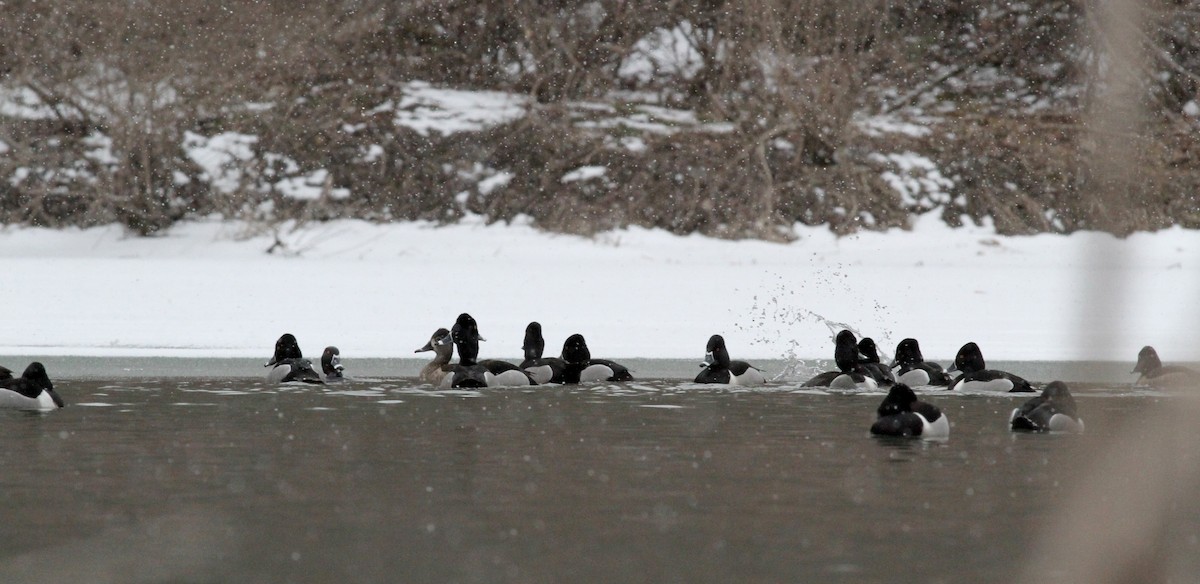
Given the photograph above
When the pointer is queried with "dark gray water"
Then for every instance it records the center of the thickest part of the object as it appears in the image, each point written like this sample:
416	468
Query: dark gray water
179	478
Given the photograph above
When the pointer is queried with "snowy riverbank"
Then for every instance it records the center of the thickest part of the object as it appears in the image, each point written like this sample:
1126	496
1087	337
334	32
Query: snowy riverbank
210	289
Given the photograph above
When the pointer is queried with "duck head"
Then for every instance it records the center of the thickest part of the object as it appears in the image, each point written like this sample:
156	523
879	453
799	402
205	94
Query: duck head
36	375
575	350
465	334
285	348
440	342
534	343
1148	361
331	361
715	353
969	359
908	353
845	351
870	353
1056	392
899	399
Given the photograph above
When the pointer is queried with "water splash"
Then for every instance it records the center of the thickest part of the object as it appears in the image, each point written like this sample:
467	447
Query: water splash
780	313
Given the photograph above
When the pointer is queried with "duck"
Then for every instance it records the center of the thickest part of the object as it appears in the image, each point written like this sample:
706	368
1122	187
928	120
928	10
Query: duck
977	377
443	350
914	370
469	372
289	363
902	414
719	368
1052	411
33	390
1155	374
582	368
542	369
881	373
850	374
331	365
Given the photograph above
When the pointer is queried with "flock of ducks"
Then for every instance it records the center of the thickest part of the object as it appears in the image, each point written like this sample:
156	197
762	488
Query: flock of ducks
858	367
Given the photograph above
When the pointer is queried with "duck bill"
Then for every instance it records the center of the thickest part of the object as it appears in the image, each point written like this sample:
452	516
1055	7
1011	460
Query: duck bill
709	359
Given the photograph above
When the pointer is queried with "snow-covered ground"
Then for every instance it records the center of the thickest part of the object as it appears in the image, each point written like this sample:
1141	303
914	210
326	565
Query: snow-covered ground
208	288
211	289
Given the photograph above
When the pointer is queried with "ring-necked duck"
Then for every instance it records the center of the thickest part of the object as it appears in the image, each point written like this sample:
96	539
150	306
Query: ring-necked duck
443	351
1053	411
1155	374
914	370
472	373
33	390
850	374
902	414
881	373
542	369
719	368
977	377
582	368
331	364
289	364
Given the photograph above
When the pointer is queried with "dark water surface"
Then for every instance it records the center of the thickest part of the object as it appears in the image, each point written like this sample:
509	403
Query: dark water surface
180	478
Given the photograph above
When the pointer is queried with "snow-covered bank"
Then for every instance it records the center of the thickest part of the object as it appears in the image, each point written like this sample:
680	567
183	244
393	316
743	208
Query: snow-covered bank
209	289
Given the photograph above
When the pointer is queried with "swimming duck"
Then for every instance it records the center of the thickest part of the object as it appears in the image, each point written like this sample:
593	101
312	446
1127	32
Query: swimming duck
902	414
977	377
331	364
718	368
582	368
31	391
1155	374
850	374
443	351
542	369
289	364
472	373
1053	411
881	373
914	369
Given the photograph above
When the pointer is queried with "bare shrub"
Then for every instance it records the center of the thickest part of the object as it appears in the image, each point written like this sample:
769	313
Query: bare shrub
122	83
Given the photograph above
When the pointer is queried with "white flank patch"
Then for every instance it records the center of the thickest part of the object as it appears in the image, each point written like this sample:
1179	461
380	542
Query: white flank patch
995	385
